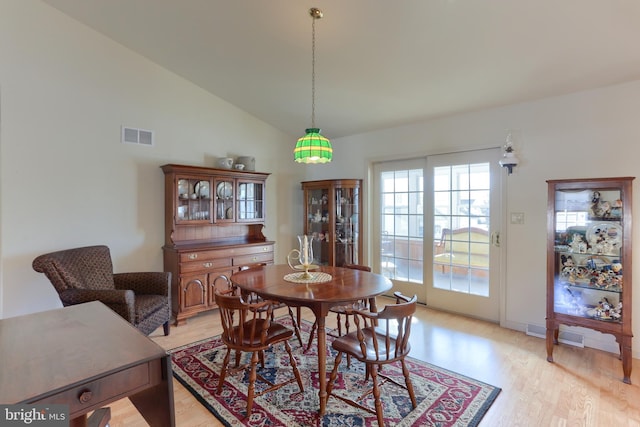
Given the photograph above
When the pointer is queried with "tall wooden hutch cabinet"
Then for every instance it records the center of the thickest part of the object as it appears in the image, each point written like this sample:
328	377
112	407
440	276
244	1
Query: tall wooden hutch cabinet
332	216
213	226
589	278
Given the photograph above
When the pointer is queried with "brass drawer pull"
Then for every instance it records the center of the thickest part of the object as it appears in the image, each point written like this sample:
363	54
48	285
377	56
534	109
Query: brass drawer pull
193	256
207	265
85	396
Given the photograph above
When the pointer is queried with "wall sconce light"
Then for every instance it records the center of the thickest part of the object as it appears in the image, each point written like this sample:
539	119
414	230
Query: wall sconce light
509	159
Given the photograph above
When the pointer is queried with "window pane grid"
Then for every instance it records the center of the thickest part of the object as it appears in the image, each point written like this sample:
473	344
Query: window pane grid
402	224
461	228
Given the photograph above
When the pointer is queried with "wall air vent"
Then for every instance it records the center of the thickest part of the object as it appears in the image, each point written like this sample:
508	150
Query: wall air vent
564	337
137	136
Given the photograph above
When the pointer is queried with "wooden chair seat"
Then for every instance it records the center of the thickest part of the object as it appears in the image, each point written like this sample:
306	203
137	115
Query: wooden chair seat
275	333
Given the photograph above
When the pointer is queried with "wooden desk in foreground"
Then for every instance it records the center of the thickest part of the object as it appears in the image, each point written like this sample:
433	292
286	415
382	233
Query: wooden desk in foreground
84	356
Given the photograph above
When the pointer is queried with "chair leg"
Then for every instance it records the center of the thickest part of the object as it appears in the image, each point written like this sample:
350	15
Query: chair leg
407	380
252	383
334	374
223	370
294	365
369	367
166	328
376	394
312	335
296	327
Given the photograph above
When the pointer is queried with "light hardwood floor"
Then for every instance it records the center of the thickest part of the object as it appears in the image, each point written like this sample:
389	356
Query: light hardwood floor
582	388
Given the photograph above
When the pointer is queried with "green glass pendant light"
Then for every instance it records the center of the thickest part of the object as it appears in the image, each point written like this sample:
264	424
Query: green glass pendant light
313	147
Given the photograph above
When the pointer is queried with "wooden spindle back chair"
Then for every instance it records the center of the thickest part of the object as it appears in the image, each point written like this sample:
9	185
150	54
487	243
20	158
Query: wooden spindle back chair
376	346
248	327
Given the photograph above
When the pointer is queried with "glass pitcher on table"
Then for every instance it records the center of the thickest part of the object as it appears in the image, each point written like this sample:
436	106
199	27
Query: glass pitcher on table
304	256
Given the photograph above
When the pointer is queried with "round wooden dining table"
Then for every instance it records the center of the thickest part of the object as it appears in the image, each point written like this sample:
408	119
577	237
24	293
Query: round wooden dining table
345	285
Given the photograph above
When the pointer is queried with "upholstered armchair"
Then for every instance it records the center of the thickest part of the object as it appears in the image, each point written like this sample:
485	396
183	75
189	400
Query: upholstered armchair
86	274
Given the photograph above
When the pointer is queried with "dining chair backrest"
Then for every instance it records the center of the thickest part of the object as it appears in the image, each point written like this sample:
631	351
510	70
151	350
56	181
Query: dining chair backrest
222	284
358	267
245	325
400	315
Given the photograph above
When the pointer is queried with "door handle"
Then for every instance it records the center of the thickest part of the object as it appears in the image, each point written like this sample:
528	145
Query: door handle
495	239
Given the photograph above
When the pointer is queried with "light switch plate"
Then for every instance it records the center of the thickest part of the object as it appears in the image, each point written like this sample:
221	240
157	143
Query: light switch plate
517	217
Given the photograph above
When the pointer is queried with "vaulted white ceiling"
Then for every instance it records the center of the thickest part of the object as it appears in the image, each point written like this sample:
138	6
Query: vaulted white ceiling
379	63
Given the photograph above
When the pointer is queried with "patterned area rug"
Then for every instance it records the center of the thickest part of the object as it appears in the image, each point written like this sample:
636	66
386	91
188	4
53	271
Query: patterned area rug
444	398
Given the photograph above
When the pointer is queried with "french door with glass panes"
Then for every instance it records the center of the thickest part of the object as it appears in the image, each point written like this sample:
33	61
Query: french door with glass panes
438	222
400	239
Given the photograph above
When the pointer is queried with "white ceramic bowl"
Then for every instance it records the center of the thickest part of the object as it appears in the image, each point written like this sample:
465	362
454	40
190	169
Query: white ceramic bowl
248	162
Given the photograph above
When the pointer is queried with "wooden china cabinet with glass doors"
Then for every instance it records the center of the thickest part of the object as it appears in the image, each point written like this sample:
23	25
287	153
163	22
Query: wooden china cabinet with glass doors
332	217
213	226
589	279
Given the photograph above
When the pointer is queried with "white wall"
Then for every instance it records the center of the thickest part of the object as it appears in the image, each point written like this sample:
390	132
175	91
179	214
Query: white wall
584	135
65	178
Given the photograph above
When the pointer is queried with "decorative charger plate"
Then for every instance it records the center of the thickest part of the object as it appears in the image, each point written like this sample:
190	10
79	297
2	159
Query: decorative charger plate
202	189
319	277
605	231
224	190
